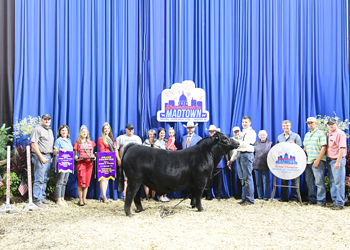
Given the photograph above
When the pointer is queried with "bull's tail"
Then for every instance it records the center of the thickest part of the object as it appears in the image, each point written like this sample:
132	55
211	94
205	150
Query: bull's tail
121	176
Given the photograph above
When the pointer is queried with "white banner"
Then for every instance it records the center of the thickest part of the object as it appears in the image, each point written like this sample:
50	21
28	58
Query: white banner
286	160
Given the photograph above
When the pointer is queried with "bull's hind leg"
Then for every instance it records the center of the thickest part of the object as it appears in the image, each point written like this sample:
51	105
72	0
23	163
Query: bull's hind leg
131	191
198	194
137	201
193	198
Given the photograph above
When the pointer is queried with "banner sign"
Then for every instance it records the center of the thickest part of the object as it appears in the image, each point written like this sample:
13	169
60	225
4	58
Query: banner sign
183	102
65	162
106	165
286	160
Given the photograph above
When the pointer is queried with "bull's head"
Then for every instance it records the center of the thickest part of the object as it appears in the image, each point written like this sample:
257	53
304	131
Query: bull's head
226	141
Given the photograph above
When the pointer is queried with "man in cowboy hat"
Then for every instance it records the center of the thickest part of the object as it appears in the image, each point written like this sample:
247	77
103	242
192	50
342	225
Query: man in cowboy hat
218	172
191	138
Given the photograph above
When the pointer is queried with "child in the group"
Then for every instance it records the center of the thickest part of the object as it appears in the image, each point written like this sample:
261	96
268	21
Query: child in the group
171	140
84	147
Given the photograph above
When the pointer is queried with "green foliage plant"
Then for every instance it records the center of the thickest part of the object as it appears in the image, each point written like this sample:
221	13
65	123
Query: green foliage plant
14	184
5	138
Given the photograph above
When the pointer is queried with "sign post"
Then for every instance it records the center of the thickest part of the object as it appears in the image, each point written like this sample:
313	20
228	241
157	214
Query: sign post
31	206
286	161
8	208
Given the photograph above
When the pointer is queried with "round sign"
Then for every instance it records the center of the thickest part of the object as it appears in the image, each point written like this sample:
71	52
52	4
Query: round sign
286	160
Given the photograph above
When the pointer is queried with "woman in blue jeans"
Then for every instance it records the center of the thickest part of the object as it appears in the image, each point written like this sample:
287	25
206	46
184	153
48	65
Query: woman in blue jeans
64	144
261	170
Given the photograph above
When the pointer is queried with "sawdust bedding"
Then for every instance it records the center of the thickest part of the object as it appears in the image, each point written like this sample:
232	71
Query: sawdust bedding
223	225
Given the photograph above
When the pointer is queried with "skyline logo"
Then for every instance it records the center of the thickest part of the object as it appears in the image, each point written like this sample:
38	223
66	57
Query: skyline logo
183	102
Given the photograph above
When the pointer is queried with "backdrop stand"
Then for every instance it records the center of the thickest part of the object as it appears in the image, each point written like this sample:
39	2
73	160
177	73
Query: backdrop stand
275	185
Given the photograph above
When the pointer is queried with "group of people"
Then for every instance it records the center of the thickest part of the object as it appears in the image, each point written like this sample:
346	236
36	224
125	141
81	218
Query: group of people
251	155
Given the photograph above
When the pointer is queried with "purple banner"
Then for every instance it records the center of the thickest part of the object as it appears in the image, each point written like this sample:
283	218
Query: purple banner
65	162
106	165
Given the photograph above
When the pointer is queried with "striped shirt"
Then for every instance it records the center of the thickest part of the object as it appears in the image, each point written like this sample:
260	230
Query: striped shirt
313	142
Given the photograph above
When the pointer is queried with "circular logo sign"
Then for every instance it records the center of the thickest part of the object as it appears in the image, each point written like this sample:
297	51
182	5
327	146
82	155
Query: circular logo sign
286	160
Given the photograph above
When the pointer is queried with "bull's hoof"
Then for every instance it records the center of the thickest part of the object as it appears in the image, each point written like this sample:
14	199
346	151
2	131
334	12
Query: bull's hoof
193	206
200	209
129	214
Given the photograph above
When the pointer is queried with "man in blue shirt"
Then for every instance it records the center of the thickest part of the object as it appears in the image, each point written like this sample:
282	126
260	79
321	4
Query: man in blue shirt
289	136
191	138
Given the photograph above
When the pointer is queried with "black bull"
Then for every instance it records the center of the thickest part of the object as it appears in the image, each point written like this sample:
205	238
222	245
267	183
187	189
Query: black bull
170	171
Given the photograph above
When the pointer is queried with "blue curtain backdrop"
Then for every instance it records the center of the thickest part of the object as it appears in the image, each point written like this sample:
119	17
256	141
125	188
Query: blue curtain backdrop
88	62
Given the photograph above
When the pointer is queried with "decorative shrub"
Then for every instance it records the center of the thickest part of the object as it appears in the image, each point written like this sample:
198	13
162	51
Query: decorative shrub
23	128
322	123
14	184
5	138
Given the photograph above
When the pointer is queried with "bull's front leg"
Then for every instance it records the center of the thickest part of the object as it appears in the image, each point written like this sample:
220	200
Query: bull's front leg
198	194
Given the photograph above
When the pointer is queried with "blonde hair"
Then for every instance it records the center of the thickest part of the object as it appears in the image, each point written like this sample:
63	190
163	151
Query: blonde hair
286	121
171	128
151	131
110	134
80	136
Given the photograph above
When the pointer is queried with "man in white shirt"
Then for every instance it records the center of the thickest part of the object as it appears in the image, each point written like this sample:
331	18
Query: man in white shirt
245	159
121	142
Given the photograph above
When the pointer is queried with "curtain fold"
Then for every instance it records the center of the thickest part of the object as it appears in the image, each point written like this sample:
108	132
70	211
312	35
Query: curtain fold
7	59
88	62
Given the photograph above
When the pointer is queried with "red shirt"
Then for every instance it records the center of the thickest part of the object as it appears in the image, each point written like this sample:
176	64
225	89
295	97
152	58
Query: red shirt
87	145
102	147
336	140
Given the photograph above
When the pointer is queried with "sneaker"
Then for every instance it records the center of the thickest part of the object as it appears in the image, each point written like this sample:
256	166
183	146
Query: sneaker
147	199
162	199
45	202
65	203
61	204
247	203
241	202
321	205
167	199
337	208
40	204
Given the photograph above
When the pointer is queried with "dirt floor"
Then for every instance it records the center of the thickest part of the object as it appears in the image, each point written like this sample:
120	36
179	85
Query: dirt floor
224	225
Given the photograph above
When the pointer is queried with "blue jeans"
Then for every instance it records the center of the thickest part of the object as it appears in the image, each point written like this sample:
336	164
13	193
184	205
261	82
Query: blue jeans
61	183
315	183
245	165
262	178
41	177
337	182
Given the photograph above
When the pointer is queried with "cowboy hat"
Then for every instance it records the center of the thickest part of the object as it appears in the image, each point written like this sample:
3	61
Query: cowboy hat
212	128
190	124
